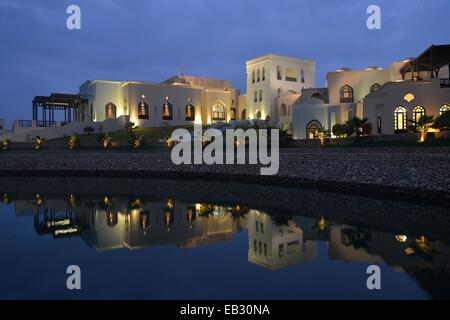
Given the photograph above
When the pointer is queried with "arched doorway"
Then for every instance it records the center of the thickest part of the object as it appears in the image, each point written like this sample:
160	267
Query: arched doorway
400	119
244	114
312	129
418	112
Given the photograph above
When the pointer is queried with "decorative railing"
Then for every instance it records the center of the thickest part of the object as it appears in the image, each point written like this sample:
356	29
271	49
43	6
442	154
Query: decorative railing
445	83
25	123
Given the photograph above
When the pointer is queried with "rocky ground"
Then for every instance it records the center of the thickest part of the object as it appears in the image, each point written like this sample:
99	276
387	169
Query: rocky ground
372	171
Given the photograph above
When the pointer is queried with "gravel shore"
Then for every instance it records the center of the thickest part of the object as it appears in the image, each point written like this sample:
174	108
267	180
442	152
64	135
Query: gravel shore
370	172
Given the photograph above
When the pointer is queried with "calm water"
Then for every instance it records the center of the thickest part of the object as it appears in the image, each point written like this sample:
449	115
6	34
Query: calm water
164	247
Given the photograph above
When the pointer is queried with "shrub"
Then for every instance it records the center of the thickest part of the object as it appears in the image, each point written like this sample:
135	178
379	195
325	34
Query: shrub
341	130
5	144
137	141
106	140
38	142
442	122
72	142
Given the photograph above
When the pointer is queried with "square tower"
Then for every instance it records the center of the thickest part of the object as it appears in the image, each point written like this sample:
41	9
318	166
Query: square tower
272	76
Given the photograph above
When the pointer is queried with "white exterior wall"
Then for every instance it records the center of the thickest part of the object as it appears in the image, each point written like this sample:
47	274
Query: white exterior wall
359	80
271	84
382	104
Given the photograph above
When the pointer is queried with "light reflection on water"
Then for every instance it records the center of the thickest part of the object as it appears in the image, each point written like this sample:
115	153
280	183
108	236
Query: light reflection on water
273	241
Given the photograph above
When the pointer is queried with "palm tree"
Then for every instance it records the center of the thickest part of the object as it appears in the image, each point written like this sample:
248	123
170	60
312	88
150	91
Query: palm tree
322	134
423	125
356	126
129	126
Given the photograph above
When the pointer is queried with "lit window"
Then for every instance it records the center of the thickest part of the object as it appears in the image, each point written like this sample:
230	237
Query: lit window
418	112
346	94
143	110
189	112
218	112
167	110
110	111
444	108
400	119
409	97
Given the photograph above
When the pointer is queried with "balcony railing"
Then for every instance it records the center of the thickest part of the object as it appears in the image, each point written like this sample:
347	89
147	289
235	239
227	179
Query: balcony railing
445	83
41	123
25	123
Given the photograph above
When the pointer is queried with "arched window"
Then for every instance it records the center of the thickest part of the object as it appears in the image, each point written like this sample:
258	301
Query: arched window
233	114
400	119
346	94
253	76
190	112
279	91
244	114
283	111
278	73
191	215
168	218
143	110
258	114
111	218
312	129
443	109
263	74
291	75
418	112
374	87
218	112
144	220
167	110
110	110
258	78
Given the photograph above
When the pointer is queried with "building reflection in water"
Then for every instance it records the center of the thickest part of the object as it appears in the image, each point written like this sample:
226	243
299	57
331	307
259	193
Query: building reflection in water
274	241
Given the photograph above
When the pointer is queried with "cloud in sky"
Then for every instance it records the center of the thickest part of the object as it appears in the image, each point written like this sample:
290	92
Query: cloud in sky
149	40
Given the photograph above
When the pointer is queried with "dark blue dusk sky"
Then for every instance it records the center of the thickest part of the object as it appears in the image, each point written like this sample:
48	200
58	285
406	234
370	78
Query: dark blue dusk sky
148	40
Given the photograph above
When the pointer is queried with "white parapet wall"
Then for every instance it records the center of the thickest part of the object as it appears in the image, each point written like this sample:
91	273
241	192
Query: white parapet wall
25	131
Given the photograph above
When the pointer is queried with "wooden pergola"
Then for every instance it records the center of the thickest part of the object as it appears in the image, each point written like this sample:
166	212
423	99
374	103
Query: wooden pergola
431	60
44	106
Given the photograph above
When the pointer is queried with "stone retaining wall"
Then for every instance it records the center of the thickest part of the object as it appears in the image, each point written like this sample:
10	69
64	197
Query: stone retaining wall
366	171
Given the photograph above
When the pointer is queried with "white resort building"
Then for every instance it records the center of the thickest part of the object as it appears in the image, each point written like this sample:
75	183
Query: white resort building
280	90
